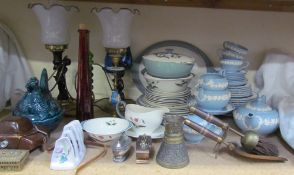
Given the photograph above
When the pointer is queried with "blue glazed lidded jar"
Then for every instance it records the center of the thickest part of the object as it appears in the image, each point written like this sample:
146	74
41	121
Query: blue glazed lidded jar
257	116
38	105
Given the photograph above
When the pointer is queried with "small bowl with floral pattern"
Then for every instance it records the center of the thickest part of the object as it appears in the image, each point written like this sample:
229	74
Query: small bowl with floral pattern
106	128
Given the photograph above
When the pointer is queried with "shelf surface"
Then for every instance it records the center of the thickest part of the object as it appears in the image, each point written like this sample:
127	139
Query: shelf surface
202	161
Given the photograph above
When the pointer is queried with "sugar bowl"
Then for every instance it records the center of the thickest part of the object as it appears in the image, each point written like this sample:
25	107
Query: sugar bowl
213	81
120	148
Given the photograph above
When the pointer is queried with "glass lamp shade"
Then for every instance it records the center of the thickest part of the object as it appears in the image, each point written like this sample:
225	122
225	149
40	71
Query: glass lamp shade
54	22
115	27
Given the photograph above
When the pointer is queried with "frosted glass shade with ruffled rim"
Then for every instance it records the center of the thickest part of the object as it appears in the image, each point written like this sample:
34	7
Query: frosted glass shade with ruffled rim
115	27
54	22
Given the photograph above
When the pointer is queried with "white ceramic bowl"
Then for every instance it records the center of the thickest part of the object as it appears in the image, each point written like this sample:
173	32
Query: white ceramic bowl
168	85
106	128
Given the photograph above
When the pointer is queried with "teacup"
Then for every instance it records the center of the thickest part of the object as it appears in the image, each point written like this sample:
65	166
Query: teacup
229	54
146	120
235	47
233	64
213	81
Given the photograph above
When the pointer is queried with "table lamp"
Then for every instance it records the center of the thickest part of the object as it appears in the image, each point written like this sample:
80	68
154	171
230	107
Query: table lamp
116	39
54	21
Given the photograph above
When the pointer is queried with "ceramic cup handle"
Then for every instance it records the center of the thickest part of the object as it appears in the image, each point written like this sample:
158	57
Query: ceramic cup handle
222	72
117	106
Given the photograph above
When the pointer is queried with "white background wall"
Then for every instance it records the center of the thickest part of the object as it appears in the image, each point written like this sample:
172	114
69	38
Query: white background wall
204	28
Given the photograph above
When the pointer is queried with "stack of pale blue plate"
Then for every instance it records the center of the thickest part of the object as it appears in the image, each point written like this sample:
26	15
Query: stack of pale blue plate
234	66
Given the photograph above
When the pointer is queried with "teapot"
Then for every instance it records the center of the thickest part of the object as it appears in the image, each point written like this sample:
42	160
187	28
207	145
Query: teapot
257	116
145	119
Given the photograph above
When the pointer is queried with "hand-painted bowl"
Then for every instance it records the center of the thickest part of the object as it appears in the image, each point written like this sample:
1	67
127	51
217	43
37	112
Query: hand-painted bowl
168	65
106	128
213	81
168	84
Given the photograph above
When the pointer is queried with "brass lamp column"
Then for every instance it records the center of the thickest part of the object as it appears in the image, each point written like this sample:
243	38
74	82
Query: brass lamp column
60	68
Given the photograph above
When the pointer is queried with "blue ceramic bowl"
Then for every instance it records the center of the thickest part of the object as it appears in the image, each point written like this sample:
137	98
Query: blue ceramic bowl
215	129
191	136
212	100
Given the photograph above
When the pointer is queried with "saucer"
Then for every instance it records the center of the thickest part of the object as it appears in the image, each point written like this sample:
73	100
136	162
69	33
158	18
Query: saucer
157	134
238	83
225	110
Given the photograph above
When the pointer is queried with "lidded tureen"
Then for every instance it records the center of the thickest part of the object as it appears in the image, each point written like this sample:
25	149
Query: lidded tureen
168	64
170	56
257	116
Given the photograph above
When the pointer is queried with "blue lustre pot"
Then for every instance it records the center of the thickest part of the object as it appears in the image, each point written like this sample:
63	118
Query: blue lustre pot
38	105
257	116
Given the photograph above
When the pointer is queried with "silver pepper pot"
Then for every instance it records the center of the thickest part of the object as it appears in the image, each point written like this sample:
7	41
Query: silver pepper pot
120	148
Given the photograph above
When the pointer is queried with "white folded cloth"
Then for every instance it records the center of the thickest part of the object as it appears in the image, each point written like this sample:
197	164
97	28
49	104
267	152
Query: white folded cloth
14	69
275	79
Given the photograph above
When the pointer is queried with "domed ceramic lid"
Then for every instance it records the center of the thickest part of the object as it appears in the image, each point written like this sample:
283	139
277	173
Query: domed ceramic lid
259	105
169	56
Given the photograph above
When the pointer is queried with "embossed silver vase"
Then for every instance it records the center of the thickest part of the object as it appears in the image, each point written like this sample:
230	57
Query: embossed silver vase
173	152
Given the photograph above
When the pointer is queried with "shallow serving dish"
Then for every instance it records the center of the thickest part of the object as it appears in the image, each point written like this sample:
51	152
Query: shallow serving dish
106	128
168	84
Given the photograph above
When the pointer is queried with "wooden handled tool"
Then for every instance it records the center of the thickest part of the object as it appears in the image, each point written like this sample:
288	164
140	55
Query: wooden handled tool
203	131
251	141
231	146
212	119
